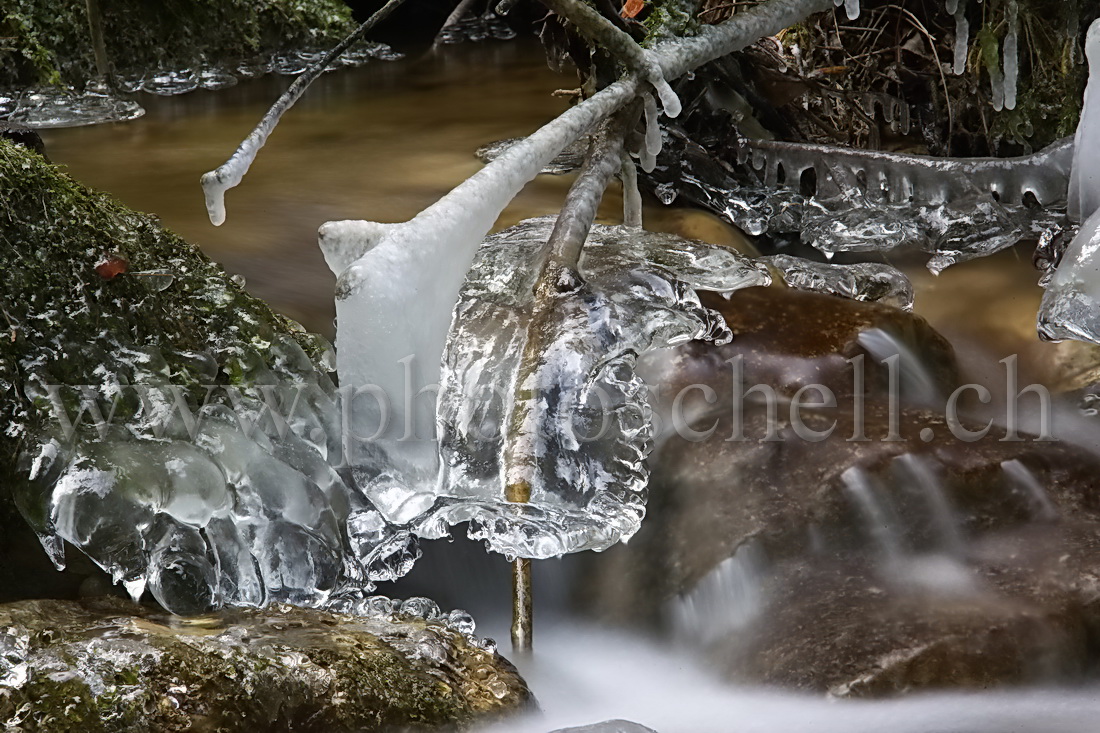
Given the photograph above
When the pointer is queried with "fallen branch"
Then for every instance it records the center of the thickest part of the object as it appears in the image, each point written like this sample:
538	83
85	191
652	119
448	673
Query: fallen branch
216	182
602	32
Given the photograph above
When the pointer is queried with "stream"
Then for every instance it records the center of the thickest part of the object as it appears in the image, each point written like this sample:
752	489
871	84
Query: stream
382	142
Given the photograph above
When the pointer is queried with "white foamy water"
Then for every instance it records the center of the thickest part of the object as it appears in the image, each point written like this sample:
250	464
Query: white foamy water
584	675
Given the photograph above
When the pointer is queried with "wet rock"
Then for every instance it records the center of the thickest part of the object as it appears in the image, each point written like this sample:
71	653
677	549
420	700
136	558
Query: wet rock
788	339
790	495
111	665
844	629
608	726
894	553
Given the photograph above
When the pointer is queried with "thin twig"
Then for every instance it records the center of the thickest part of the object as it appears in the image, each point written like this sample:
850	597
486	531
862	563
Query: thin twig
229	174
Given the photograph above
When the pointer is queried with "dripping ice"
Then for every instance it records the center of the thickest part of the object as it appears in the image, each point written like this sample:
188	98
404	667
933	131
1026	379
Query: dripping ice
1071	303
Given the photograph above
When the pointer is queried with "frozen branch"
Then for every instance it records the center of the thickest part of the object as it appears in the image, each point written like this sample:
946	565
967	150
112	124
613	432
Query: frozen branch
602	32
216	182
427	257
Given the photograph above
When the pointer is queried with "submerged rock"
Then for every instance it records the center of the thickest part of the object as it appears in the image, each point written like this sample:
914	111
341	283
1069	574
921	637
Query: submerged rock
904	559
112	665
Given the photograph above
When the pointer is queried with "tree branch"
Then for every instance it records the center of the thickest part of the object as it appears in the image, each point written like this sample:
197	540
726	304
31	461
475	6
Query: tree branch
216	182
562	257
602	32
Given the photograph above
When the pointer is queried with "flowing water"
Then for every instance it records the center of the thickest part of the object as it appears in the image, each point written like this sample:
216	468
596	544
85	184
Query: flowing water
383	141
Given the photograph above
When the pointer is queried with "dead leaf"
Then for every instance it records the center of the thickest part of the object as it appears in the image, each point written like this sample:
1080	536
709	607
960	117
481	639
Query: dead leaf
632	7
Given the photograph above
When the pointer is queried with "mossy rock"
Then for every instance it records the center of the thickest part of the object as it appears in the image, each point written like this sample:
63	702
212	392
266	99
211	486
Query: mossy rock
70	316
111	665
50	42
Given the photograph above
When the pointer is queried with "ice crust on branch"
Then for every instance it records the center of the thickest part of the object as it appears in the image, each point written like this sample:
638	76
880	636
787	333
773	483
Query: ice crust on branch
228	175
866	201
900	178
599	30
394	303
866	281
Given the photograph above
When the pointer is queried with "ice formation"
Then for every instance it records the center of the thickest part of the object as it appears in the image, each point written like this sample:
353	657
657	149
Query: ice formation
962	40
899	177
234	501
634	293
1011	54
851	8
228	175
652	141
869	201
867	281
46	108
1071	302
1084	182
632	197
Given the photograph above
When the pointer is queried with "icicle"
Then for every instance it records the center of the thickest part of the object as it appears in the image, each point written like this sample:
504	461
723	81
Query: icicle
216	182
669	101
1084	180
952	6
851	9
962	40
651	145
997	88
1011	61
632	197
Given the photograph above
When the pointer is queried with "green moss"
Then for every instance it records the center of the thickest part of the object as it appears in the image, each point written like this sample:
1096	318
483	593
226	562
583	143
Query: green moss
63	323
50	41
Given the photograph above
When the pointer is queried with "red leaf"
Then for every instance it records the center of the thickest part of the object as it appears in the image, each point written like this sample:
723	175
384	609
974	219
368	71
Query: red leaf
109	267
632	7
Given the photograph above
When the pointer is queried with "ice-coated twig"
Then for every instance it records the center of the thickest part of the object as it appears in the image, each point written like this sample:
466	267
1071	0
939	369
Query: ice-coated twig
632	197
430	254
563	252
618	43
216	182
566	241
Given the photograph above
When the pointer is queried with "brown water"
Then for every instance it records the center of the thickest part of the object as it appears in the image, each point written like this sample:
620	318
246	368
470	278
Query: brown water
384	141
380	142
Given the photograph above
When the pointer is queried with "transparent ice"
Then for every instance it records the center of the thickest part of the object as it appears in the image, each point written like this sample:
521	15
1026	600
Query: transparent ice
50	107
955	209
634	292
866	281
